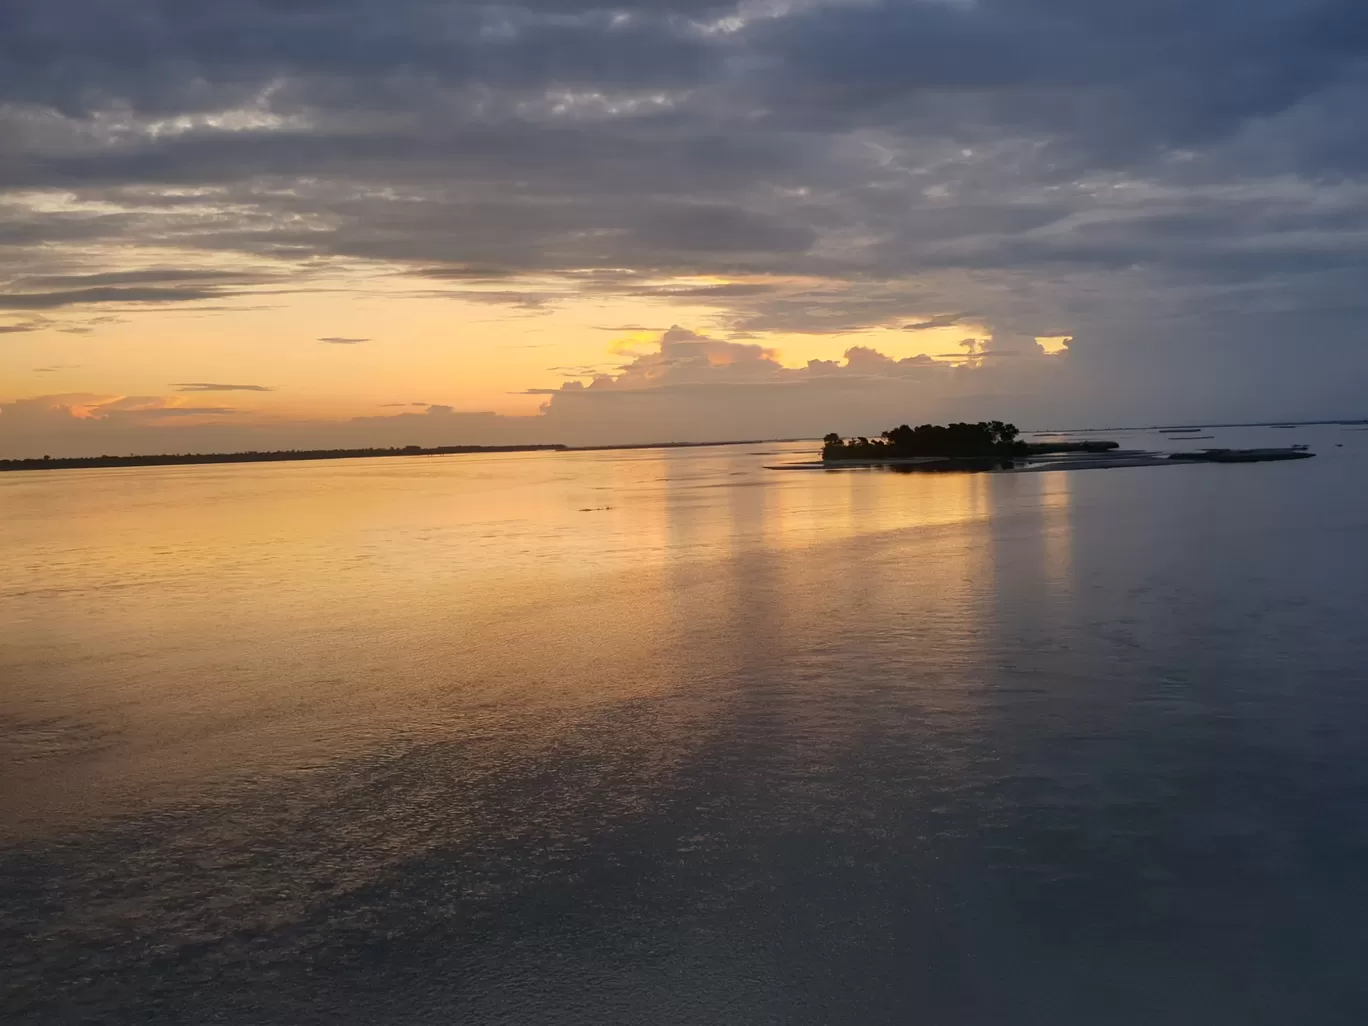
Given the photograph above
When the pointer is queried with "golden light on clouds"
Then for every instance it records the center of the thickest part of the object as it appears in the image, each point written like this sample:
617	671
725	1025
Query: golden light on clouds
469	353
332	342
410	337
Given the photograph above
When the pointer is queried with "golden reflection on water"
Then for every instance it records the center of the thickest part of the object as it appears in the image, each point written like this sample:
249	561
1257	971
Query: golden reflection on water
176	628
1058	536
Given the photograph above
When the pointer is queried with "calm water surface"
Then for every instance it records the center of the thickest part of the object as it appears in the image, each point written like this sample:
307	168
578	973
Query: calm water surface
664	737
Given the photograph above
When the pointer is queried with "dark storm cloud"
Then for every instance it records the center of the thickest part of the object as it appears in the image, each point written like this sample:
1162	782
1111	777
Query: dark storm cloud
1107	83
105	294
146	276
183	56
728	291
712	228
939	321
476	274
1177	181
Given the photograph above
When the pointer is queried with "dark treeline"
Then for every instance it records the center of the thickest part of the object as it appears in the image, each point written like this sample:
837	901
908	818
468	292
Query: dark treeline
986	440
280	456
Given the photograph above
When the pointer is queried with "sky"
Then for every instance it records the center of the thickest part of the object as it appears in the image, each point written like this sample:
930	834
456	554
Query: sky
313	223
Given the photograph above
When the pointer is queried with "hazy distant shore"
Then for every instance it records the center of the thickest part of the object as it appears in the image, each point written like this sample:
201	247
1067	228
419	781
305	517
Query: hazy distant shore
281	456
293	455
1171	428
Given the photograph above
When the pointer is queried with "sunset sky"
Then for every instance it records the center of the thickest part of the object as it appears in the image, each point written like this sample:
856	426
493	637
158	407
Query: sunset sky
281	223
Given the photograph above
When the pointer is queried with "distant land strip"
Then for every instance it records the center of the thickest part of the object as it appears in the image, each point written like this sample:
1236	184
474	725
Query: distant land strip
1189	427
290	455
279	456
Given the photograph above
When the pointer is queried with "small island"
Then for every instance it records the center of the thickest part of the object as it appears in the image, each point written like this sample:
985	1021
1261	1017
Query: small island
960	446
996	445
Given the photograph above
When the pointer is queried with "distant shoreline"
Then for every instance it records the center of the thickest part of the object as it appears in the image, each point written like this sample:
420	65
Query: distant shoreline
302	455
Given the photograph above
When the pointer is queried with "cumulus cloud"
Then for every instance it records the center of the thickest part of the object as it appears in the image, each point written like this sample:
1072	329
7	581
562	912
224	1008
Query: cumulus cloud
690	387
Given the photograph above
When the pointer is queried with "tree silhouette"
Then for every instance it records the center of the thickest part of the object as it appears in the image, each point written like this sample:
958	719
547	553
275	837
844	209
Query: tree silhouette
986	440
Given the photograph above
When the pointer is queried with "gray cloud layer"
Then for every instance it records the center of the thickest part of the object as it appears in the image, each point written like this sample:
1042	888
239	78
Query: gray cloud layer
1180	184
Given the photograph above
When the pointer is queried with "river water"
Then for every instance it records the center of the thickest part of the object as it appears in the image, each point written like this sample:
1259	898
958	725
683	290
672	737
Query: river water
665	737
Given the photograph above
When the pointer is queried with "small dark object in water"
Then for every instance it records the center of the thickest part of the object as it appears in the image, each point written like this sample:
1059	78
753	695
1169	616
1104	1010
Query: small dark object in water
1062	447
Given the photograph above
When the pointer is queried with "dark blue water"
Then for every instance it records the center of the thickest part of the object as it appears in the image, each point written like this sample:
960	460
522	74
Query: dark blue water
666	738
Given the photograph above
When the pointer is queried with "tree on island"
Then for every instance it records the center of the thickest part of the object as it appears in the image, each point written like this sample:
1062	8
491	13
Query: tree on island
986	440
